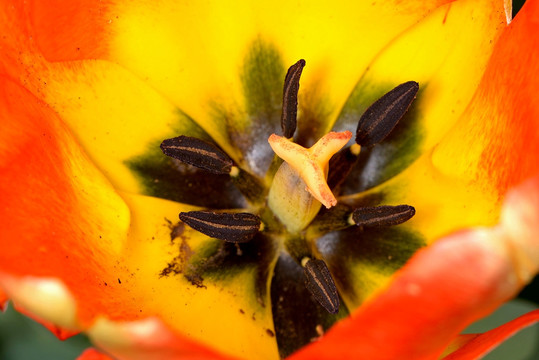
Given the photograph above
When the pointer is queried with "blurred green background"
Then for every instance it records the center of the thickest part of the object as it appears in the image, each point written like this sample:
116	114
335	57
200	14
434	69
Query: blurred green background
24	339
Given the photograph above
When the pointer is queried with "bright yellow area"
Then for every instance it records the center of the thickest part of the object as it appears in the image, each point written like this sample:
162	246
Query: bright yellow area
100	204
367	280
446	54
113	114
209	315
192	52
443	203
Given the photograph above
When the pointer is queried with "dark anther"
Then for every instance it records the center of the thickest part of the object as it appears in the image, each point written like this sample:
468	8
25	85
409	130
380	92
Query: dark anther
340	165
290	99
382	116
198	153
321	285
382	215
232	227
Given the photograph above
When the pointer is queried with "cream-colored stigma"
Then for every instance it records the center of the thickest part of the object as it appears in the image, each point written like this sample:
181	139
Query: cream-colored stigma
312	163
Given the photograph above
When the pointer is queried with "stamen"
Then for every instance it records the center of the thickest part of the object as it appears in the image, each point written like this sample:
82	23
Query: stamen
290	99
340	165
384	114
198	153
382	215
231	227
320	284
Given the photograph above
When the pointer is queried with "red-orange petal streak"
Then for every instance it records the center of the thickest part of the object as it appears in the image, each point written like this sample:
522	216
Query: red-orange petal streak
93	354
480	345
500	129
59	217
71	30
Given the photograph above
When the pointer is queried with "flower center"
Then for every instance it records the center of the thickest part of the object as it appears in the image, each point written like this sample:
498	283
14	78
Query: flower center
287	211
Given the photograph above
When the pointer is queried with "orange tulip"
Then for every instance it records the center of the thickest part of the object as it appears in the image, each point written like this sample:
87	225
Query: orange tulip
89	205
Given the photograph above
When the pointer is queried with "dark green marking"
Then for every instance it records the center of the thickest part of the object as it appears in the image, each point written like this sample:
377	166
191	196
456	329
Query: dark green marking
170	179
384	249
315	110
262	79
262	76
220	262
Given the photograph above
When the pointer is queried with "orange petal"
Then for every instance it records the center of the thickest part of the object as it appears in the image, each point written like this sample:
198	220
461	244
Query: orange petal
59	217
499	130
72	30
45	300
438	293
59	332
147	339
3	300
93	354
480	345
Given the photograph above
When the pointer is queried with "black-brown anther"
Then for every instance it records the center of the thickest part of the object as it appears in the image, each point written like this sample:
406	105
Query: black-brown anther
384	114
290	99
198	153
231	227
382	215
320	284
340	165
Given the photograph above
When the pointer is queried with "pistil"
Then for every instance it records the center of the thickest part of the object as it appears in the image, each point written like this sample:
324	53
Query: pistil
299	186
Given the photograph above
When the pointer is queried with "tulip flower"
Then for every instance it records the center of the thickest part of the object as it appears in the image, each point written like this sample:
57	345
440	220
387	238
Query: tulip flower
168	188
